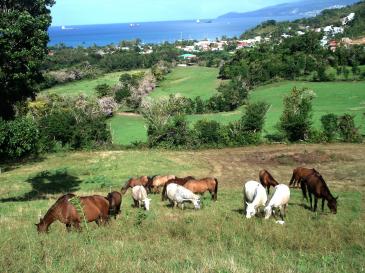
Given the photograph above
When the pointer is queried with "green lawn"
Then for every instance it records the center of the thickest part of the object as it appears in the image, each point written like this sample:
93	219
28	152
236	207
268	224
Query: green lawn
216	238
331	97
87	86
190	82
128	129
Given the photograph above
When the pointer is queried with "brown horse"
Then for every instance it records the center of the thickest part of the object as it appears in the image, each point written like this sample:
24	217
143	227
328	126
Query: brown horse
298	174
115	200
316	185
200	186
176	180
141	181
95	208
267	180
159	181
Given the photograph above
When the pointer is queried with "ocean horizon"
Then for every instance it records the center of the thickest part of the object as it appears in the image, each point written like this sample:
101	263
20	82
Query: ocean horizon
154	32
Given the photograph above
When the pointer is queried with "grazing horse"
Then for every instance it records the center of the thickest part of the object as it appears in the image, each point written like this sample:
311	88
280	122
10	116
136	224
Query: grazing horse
115	200
267	180
200	186
139	195
141	181
279	200
316	185
254	193
95	208
179	194
160	181
298	174
176	180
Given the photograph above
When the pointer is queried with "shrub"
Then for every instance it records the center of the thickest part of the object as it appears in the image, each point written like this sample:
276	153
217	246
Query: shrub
103	90
208	132
330	127
18	138
348	130
254	118
295	121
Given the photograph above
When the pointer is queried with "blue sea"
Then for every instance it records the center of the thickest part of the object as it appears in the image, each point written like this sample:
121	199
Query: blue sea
153	32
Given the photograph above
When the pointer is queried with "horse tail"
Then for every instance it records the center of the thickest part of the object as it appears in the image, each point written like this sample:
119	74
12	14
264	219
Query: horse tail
215	189
163	195
304	189
292	179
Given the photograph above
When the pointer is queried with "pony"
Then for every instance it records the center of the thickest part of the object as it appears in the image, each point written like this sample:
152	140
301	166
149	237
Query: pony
159	181
115	199
254	198
141	181
95	209
178	195
316	185
279	200
200	186
298	174
176	180
139	195
267	180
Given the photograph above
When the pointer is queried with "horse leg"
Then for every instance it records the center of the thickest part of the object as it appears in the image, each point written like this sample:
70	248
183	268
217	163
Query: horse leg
68	227
310	200
282	212
76	225
268	189
315	203
136	203
322	204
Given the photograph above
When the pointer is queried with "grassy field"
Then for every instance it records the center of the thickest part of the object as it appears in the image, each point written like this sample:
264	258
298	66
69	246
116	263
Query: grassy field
215	239
86	87
190	82
331	97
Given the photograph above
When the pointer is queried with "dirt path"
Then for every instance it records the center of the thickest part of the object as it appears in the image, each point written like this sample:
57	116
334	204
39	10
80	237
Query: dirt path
128	114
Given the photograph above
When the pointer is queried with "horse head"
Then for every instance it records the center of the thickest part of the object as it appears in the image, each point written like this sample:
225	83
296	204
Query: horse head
250	210
147	202
332	205
41	226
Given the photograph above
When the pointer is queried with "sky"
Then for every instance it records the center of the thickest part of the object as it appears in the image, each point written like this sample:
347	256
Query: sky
86	12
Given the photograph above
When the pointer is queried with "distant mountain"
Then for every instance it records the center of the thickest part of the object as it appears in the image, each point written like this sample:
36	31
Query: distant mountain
304	8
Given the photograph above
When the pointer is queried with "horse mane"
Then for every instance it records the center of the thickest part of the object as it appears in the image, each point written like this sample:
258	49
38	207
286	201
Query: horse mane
320	177
61	199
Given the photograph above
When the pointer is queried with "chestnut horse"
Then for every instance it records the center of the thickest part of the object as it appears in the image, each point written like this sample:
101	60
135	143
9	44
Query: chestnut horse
115	200
176	180
200	186
267	180
159	181
316	185
298	174
95	208
144	181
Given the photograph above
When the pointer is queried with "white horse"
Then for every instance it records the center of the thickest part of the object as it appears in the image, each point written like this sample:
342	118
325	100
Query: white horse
279	200
254	198
178	195
139	195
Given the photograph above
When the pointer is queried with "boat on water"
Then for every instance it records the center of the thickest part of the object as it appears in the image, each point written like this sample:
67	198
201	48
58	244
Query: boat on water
198	21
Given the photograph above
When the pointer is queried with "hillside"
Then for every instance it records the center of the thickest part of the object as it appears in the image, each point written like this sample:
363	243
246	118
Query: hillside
328	17
301	9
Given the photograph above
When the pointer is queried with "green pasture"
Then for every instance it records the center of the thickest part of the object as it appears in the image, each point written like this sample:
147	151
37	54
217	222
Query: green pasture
189	82
216	238
331	97
87	86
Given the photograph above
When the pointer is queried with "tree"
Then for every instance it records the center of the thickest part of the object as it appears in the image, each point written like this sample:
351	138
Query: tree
295	121
23	46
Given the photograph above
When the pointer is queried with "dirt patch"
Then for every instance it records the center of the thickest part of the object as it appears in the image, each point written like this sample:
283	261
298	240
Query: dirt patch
128	114
297	158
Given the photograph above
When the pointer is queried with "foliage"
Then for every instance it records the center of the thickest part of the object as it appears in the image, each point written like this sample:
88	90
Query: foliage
18	138
330	126
23	45
208	132
295	120
254	118
103	90
347	129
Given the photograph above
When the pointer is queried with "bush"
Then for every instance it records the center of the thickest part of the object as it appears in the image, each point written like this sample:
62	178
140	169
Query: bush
254	118
18	138
295	121
330	127
103	90
348	130
208	132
